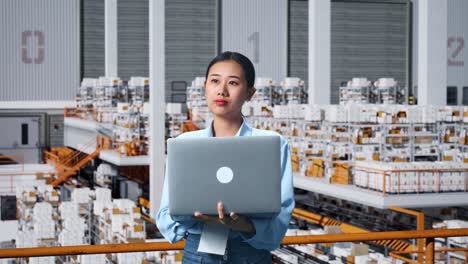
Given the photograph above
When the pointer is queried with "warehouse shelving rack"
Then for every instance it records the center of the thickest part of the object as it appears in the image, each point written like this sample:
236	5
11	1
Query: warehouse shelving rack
396	143
425	136
365	137
357	95
459	255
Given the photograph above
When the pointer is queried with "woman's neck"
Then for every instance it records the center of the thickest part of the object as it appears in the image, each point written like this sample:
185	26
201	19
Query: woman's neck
226	127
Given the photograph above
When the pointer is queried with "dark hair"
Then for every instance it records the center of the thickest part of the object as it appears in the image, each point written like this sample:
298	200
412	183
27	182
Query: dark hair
243	61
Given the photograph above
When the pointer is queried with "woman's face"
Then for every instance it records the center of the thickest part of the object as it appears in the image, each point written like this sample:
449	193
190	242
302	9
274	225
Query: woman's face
226	89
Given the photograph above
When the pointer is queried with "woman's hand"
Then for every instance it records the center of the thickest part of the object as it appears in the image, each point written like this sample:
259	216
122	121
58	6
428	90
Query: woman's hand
233	221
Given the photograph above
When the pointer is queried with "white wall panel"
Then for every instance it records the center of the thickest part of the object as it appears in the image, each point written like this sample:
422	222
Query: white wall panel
432	52
457	44
39	49
257	29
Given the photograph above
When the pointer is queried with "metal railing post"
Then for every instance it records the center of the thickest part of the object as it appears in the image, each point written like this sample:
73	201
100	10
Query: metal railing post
430	250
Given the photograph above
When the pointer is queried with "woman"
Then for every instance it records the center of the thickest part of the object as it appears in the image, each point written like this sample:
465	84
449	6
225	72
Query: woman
229	83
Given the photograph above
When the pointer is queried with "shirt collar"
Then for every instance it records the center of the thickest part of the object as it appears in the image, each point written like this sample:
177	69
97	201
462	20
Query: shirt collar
244	130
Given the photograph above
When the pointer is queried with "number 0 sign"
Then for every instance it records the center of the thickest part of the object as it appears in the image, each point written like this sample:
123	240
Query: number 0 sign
26	37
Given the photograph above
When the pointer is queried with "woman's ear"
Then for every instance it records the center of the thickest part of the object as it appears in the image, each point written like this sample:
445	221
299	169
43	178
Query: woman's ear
251	92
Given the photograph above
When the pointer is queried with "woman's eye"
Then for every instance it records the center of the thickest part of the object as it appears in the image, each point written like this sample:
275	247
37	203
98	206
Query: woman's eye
233	83
214	81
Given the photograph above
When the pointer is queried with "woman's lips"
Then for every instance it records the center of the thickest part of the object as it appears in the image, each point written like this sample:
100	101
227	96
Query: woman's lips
220	102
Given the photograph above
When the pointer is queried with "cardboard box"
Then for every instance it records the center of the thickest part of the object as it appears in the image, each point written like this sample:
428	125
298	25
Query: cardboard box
341	173
316	168
331	230
359	249
295	162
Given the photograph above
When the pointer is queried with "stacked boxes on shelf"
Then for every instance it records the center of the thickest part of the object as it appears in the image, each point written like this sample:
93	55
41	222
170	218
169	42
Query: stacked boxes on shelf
196	103
357	91
37	207
339	148
261	104
313	137
396	144
106	97
120	108
463	136
138	92
90	217
102	209
26	197
366	133
48	194
126	132
175	119
145	129
411	177
45	221
84	98
362	91
425	142
44	225
78	222
73	226
118	221
366	141
38	219
450	120
389	92
104	174
196	93
294	91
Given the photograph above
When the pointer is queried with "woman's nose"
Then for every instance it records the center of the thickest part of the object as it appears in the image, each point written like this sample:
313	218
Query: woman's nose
223	89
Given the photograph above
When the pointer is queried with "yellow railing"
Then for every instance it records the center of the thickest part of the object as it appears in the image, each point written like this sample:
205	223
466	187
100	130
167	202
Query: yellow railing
419	226
428	235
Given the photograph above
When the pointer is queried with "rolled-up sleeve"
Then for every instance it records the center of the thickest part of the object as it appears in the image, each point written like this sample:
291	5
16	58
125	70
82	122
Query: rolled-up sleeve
270	232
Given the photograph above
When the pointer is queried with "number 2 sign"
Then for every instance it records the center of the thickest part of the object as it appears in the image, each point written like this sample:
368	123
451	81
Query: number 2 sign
455	46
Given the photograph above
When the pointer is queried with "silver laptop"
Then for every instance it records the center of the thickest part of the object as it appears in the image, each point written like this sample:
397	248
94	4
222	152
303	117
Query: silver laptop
242	172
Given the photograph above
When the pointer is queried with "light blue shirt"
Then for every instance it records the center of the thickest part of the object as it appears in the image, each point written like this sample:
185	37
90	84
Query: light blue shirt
269	231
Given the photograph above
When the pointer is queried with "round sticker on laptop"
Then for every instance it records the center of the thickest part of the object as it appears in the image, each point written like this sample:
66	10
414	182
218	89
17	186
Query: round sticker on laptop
224	175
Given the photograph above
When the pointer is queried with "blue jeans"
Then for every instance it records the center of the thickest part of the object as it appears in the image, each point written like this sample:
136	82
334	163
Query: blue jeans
237	252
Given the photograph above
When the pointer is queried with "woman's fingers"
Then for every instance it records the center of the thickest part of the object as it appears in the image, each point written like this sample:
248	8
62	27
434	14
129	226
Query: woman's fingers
205	218
220	210
233	216
233	221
